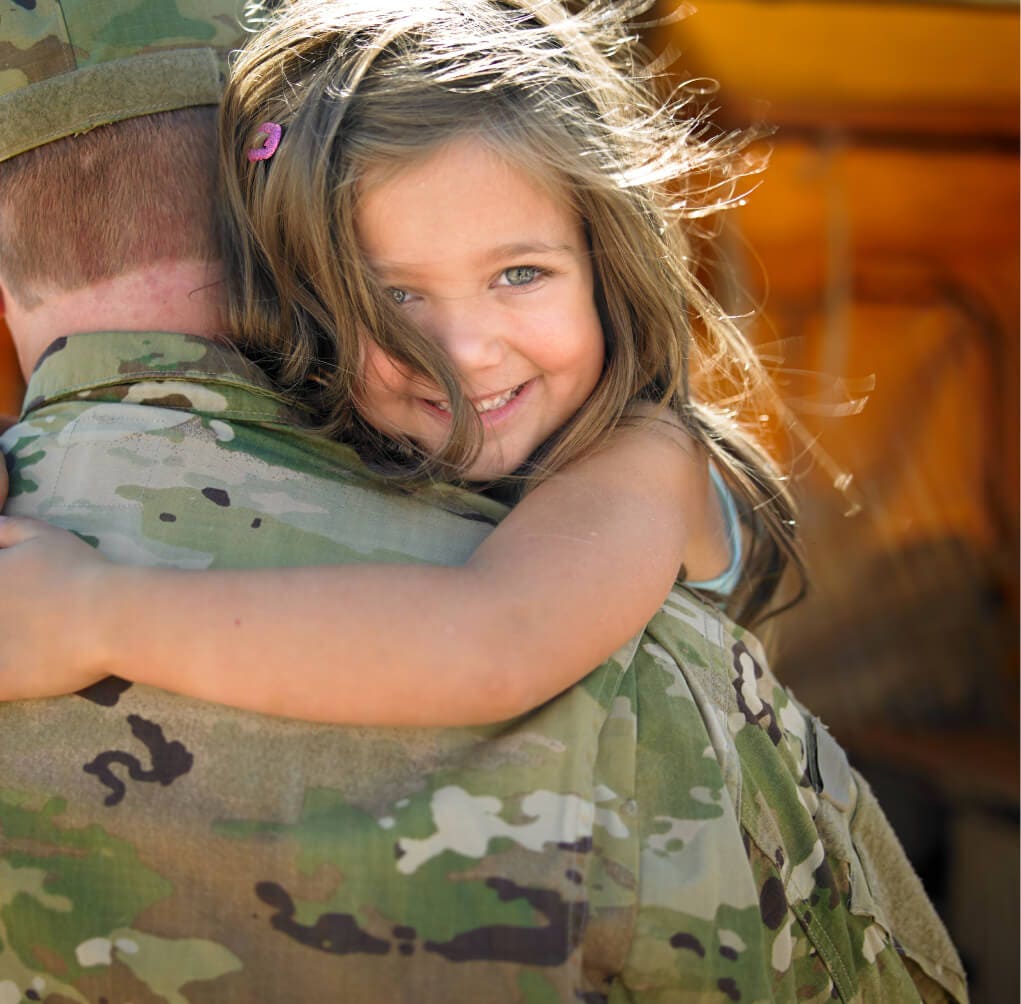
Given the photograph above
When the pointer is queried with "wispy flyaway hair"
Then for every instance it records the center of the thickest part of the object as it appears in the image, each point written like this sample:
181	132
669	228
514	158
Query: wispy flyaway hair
375	85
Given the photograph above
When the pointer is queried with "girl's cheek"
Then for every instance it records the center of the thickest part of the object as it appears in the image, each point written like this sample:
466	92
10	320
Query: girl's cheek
384	392
380	374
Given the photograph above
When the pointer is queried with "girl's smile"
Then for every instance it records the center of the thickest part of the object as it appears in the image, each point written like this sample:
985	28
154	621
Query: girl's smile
495	267
490	409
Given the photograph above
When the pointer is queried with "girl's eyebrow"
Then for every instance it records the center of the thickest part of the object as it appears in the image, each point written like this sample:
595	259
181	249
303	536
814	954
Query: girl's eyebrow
501	252
518	248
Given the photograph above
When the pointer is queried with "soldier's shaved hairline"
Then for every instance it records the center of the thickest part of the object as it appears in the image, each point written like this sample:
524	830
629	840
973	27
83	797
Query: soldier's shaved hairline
107	156
124	195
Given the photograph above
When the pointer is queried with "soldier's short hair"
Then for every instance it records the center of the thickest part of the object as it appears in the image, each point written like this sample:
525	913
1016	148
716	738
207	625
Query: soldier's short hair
91	207
108	148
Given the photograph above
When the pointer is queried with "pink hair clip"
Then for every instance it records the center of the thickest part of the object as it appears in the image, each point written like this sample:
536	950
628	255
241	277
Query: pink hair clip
269	145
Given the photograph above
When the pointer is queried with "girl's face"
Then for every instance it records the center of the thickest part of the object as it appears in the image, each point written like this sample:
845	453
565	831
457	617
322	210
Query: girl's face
494	267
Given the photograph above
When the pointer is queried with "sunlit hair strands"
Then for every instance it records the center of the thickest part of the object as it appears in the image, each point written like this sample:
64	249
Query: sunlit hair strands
377	85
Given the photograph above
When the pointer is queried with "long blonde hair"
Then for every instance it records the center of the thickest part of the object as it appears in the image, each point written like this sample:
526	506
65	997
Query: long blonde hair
380	83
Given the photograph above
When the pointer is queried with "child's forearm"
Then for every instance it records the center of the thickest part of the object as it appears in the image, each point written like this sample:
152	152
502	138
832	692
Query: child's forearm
397	645
568	577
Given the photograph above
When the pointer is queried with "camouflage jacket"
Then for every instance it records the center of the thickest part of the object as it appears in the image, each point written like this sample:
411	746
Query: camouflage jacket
673	828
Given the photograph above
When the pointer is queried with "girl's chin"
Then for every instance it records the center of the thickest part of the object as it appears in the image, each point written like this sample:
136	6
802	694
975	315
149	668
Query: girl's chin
489	471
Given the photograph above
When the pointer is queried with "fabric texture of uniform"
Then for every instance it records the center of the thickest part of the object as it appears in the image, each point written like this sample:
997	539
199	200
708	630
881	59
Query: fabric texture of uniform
71	65
674	828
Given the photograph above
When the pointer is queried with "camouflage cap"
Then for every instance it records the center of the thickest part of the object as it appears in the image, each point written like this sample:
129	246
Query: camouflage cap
67	66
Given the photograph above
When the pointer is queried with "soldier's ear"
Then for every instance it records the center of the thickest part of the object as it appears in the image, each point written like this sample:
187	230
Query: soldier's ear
5	298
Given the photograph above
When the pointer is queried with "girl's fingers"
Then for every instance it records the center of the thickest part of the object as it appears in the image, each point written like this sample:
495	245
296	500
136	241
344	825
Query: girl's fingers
18	529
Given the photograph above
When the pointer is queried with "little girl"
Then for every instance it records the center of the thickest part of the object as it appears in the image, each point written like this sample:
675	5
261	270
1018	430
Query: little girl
450	231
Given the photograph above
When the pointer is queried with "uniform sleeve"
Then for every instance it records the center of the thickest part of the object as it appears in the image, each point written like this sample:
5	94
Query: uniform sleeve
698	932
767	870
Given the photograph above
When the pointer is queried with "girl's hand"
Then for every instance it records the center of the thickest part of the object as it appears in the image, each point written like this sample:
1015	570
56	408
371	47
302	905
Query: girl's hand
50	582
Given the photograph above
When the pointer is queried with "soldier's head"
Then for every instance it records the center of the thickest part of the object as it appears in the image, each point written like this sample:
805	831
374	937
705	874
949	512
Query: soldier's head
107	152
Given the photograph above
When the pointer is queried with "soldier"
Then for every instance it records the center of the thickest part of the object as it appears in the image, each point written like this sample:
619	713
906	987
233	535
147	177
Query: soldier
675	827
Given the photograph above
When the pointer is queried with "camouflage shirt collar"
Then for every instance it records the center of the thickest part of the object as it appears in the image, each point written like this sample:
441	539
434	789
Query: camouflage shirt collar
156	367
169	370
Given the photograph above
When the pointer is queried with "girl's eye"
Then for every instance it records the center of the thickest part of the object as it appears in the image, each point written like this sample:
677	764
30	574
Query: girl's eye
521	275
397	295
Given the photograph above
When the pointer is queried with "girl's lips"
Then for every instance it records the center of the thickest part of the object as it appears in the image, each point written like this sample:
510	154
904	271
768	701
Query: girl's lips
491	415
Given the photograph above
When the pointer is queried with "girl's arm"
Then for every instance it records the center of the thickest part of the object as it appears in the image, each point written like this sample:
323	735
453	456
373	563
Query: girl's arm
573	572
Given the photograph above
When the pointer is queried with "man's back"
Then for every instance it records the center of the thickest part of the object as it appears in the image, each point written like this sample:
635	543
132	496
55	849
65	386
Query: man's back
653	834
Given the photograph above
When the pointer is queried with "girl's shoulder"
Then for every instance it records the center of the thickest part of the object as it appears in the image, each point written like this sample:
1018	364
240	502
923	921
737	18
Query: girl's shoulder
713	554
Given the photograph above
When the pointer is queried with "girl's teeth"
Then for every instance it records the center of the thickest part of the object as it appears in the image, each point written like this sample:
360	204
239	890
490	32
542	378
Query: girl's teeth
487	403
492	403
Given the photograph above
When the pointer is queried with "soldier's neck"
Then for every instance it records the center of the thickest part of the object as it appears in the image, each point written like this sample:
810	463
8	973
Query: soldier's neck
181	296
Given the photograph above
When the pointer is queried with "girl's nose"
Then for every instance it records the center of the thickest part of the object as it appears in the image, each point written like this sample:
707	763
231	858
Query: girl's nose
470	332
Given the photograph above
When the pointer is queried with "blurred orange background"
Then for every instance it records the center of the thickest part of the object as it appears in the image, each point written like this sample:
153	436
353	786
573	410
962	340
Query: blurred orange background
880	249
11	387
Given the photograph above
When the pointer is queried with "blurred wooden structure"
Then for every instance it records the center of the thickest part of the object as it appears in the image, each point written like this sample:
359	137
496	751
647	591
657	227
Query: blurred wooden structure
882	242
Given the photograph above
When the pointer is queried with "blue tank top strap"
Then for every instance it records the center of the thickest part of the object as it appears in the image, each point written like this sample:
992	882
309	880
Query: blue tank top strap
726	582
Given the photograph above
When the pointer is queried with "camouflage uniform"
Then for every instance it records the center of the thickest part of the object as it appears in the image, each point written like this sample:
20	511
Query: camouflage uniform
673	828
